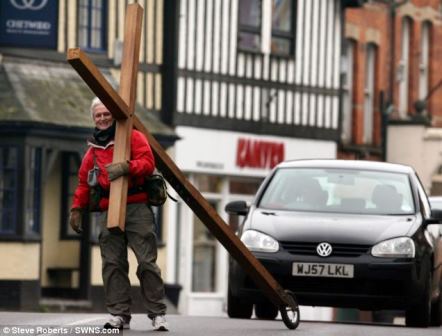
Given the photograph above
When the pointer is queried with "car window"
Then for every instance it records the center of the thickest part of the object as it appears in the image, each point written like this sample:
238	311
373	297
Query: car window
339	190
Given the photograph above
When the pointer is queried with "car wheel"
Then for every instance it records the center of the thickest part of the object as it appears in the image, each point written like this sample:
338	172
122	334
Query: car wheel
266	310
290	314
237	308
436	310
419	314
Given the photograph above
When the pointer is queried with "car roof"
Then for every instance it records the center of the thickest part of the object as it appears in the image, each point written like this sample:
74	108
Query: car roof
347	164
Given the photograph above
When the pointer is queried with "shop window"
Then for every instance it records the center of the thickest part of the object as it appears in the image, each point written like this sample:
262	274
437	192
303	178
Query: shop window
249	32
70	164
208	183
244	186
369	93
8	189
92	25
33	192
347	86
241	189
283	27
204	257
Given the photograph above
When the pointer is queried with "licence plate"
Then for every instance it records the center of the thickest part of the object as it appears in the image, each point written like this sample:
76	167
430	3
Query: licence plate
323	270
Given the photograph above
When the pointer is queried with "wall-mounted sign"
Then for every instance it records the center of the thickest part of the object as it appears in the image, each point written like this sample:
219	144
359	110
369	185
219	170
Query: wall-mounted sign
207	151
29	23
259	154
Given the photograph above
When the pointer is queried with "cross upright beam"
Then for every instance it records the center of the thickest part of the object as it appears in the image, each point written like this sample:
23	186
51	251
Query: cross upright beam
122	105
128	88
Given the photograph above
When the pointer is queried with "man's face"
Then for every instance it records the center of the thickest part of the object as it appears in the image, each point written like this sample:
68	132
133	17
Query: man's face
102	117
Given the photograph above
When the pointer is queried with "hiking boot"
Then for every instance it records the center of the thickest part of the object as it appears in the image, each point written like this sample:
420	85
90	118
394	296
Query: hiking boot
159	323
117	322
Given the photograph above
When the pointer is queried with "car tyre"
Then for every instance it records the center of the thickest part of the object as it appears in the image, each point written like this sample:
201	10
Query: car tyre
266	310
237	308
436	310
419	314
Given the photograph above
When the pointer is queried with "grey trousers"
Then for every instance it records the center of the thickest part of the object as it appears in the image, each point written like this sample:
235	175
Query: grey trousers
139	235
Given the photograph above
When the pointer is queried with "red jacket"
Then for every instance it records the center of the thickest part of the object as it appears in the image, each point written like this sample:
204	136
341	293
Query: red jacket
142	163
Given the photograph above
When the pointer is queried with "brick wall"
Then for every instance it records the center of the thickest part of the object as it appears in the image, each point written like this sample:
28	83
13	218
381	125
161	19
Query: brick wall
371	24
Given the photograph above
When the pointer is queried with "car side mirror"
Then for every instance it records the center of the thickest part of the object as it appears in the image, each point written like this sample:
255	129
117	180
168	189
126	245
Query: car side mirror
436	217
239	208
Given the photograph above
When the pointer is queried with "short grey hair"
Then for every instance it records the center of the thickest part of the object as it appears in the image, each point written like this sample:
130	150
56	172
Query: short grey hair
95	102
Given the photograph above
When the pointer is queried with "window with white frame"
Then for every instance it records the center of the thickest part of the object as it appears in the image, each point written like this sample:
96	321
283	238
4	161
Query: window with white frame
369	92
33	181
205	249
70	163
249	32
424	60
282	27
9	170
207	268
347	86
404	65
92	24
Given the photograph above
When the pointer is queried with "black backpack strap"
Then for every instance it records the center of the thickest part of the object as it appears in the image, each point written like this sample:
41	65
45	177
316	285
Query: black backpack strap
171	197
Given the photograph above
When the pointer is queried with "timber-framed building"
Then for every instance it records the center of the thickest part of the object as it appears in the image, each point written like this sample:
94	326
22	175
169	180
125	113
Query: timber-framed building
231	87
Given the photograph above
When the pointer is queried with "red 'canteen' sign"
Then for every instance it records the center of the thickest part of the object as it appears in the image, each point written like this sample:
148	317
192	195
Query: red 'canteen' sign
259	154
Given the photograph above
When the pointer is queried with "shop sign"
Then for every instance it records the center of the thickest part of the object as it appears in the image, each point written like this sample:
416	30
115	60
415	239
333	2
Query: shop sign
262	154
28	23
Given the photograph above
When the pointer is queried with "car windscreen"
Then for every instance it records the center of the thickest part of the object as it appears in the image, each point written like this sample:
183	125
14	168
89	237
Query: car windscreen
339	190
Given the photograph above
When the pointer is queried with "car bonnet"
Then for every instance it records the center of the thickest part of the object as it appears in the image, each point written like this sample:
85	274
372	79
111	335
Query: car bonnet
331	227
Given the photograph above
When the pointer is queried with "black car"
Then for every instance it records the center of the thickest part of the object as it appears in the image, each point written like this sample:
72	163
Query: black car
338	233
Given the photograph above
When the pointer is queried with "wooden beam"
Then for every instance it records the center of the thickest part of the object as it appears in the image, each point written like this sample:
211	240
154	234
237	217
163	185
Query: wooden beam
216	225
98	84
128	88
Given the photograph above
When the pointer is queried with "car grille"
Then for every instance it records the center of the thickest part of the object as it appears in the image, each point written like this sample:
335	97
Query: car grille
339	250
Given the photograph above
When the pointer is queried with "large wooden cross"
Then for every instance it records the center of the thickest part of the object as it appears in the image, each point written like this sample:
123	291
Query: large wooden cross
122	107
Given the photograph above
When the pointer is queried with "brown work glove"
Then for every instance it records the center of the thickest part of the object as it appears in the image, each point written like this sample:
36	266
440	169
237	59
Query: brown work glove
75	220
115	170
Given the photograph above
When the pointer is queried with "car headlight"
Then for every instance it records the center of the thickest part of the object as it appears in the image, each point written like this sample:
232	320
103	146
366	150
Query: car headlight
259	242
394	248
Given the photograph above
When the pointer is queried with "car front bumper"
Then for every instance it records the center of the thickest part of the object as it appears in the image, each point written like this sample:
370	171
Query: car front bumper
378	283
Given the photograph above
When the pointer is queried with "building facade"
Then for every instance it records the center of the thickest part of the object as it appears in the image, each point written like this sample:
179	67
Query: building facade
258	82
392	73
44	124
244	84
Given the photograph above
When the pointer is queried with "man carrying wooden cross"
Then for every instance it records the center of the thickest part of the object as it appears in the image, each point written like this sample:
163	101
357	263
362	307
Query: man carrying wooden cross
122	106
95	174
